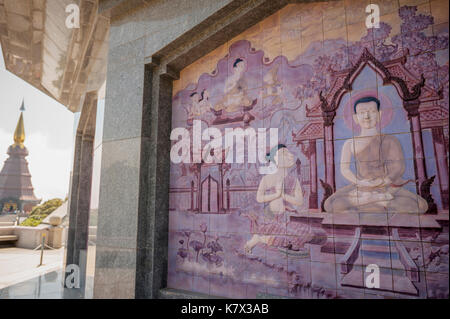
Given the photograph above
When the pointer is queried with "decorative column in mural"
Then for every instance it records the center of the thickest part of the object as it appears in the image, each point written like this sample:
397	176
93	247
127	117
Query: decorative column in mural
329	155
441	163
411	104
199	186
313	197
192	195
228	194
309	149
328	114
220	190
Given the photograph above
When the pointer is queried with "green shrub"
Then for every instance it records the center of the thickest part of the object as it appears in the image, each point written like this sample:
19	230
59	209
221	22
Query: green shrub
38	213
33	221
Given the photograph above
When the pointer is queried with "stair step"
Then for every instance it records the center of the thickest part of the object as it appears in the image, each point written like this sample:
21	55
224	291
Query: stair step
7	223
388	261
377	248
382	252
8	238
335	247
378	242
388	282
379	254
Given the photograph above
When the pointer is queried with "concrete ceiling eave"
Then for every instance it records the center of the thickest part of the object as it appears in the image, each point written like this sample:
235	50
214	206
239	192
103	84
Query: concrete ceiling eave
32	83
38	48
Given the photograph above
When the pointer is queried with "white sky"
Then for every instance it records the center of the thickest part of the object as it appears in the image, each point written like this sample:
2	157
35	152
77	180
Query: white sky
49	129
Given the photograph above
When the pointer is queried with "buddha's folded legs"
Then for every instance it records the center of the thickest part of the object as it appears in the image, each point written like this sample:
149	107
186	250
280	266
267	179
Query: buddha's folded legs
407	202
342	201
346	200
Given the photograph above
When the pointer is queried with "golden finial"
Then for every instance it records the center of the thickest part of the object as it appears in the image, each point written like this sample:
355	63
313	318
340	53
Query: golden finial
19	133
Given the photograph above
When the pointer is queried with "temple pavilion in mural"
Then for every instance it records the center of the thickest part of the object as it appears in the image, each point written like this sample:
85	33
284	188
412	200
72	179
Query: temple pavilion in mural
16	190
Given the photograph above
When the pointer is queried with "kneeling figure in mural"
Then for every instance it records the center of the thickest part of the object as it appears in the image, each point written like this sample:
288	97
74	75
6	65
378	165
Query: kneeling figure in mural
282	194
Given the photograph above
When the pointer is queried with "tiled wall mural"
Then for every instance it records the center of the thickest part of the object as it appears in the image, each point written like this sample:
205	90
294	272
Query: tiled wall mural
361	173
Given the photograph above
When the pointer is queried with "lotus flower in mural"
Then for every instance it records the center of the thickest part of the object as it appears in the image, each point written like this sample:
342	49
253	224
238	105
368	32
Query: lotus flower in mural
183	253
214	246
197	246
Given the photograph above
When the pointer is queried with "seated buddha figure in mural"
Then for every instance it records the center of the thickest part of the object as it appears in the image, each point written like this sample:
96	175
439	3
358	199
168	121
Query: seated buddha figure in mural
235	92
282	194
378	185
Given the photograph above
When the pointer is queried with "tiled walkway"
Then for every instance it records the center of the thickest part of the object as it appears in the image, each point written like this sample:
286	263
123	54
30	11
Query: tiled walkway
48	286
19	264
21	278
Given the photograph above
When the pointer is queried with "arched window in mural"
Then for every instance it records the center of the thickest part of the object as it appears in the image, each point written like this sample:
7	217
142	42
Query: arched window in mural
210	195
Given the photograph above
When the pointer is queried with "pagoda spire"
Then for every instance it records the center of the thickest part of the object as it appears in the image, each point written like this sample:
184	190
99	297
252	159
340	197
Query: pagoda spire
22	107
16	189
19	133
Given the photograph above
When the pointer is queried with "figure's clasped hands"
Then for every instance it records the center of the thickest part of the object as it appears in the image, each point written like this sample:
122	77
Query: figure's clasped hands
279	189
283	194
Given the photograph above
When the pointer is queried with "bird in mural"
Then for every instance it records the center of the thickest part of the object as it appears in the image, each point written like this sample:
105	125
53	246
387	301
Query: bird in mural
213	152
272	85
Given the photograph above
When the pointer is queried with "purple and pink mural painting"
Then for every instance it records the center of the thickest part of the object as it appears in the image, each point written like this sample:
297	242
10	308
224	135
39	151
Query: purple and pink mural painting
360	168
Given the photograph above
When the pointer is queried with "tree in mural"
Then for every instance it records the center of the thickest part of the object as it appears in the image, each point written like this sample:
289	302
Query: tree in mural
421	47
413	38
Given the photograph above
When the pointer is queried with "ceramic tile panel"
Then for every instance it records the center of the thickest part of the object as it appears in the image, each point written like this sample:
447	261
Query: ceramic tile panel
297	223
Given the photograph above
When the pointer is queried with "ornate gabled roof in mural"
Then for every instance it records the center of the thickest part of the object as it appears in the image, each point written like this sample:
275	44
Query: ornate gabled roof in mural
394	72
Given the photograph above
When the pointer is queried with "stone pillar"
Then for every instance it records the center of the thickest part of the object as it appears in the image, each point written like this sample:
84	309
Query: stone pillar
441	163
153	217
80	197
313	197
55	236
73	198
412	107
83	209
124	177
